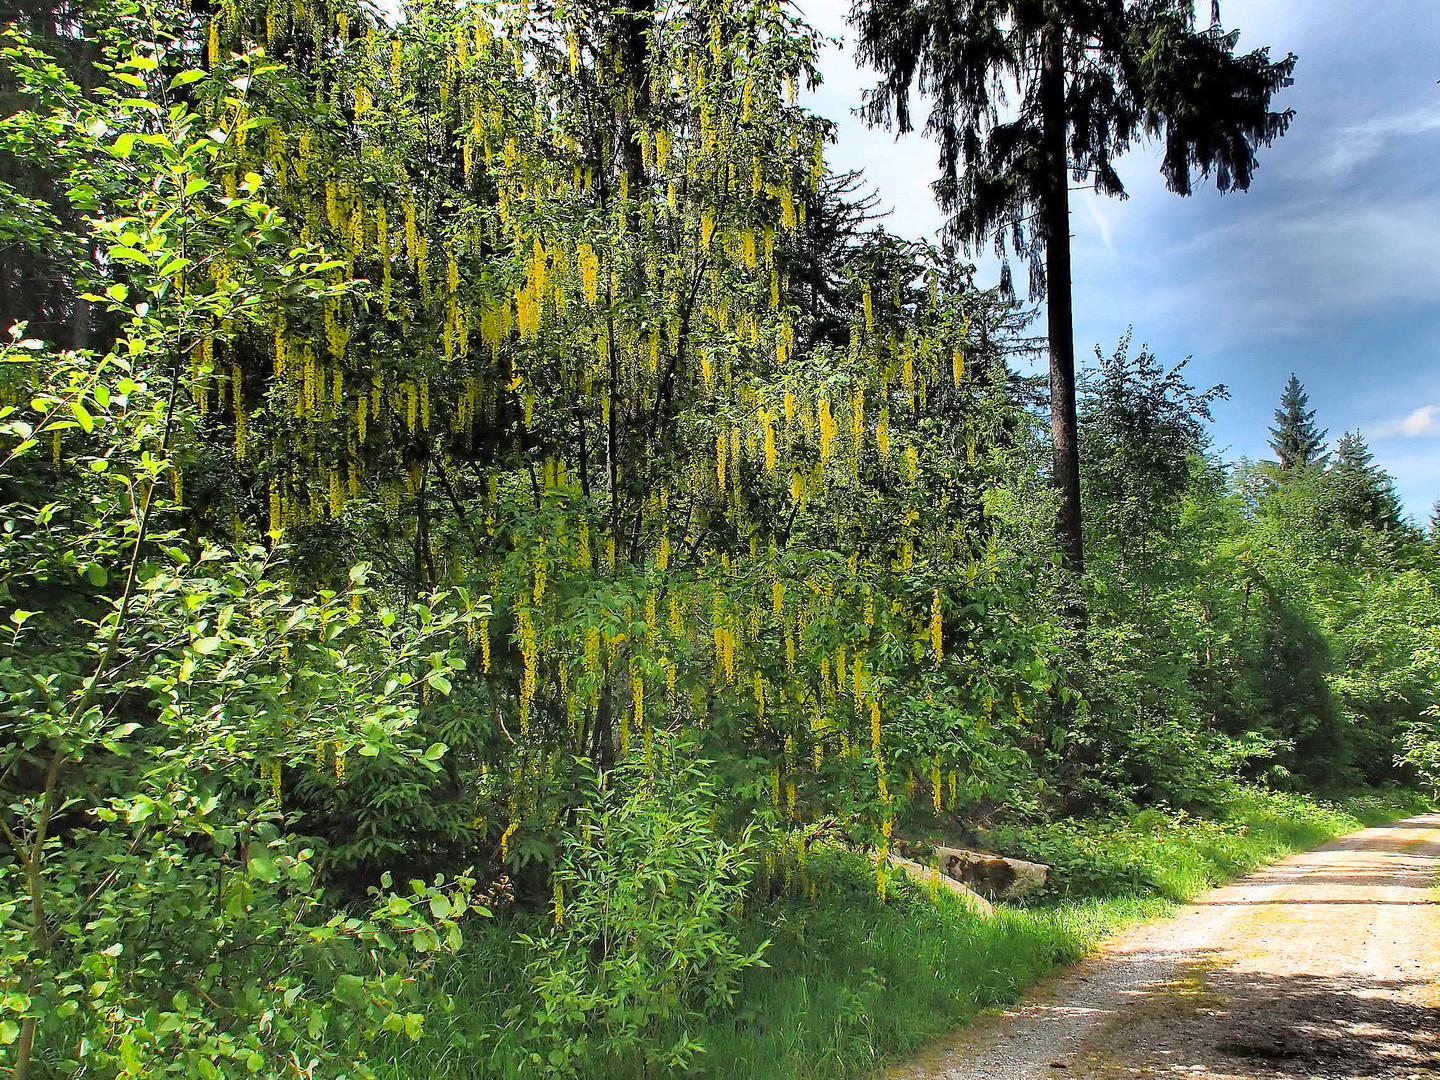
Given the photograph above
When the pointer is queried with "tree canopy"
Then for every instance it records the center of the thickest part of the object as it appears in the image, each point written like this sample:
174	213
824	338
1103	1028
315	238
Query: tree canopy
1364	493
1026	94
1125	71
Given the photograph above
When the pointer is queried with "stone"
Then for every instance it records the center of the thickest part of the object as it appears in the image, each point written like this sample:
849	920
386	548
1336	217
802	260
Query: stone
992	876
930	878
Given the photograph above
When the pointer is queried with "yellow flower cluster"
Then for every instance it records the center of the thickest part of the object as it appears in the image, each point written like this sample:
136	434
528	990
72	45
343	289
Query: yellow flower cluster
555	301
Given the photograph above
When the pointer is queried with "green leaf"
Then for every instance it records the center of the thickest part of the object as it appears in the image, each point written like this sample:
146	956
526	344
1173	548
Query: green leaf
185	78
84	418
206	645
123	145
262	867
350	990
436	751
9	1032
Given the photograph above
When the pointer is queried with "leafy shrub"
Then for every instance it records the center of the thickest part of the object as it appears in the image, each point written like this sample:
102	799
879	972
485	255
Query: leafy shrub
171	923
158	695
1420	749
1176	855
647	895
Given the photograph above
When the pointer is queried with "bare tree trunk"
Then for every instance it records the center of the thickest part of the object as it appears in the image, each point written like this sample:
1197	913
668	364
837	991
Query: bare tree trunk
1055	214
1080	755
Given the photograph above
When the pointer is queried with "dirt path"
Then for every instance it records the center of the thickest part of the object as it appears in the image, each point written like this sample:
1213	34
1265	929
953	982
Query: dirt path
1326	965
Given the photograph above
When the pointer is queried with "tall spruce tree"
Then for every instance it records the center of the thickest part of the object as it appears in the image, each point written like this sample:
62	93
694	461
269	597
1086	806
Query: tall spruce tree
1296	440
1434	531
1089	78
1362	492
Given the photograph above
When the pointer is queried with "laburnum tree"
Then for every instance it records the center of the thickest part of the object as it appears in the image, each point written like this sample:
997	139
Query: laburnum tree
1025	95
156	687
561	367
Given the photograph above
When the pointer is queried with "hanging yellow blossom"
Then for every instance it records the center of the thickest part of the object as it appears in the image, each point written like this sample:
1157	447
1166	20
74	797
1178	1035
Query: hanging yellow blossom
589	264
828	428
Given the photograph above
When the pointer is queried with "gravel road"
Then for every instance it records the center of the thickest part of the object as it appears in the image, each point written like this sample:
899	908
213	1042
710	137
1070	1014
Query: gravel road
1323	967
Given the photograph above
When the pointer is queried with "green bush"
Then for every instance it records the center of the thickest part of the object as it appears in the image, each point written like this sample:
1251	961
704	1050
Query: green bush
159	914
1176	855
647	899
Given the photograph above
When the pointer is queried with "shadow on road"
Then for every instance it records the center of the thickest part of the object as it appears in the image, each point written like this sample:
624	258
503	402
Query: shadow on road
1211	1021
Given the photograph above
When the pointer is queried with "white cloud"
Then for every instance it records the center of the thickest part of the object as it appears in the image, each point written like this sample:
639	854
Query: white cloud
1356	144
1423	421
1101	218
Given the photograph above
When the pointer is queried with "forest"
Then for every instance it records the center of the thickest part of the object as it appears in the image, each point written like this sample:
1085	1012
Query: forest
500	546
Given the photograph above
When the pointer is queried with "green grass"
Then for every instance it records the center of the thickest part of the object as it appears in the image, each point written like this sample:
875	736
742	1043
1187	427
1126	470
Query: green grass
1179	856
853	981
852	985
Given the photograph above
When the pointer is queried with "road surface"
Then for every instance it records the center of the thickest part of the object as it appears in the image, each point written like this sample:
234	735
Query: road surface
1325	966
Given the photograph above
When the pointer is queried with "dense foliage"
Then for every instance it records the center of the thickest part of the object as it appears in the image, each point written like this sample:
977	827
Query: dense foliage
499	459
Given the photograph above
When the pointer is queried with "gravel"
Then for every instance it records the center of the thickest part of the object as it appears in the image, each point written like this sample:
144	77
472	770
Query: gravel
1325	965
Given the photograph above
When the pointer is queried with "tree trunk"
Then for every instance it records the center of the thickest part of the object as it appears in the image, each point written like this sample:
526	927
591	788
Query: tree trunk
1055	215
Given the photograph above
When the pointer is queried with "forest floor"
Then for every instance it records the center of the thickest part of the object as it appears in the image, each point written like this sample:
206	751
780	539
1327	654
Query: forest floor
1324	965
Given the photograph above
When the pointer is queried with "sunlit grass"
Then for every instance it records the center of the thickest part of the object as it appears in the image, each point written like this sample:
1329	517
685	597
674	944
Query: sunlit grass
853	981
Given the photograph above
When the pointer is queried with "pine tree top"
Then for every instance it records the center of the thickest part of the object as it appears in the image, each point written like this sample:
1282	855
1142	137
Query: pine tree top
1352	452
1296	440
1363	492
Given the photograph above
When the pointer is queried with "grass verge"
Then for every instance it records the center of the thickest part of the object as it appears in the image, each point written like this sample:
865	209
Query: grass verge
852	981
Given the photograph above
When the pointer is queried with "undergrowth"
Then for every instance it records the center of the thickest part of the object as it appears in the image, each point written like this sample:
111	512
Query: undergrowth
850	981
1177	856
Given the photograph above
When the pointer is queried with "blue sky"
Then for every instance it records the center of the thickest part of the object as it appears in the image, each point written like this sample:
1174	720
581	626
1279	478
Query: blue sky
1329	266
